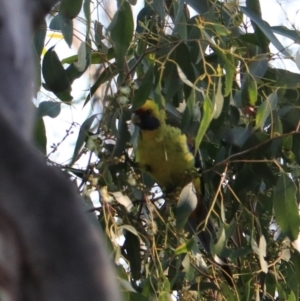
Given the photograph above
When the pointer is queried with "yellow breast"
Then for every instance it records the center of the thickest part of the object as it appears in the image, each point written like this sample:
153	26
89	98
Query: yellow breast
164	154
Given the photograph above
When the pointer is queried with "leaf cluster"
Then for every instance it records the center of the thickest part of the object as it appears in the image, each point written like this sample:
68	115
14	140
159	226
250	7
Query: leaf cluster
242	115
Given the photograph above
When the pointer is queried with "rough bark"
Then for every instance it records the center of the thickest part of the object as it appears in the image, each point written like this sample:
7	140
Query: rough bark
49	250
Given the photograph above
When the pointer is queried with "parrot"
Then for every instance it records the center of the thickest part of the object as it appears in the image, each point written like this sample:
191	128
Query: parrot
162	151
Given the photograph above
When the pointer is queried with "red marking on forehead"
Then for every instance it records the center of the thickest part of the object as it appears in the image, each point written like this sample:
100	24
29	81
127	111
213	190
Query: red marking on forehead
141	111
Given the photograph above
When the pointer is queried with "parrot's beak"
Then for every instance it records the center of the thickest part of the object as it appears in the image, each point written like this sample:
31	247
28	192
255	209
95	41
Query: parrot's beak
135	119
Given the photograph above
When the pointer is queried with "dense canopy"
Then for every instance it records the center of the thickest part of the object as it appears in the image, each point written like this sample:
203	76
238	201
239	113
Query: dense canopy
212	73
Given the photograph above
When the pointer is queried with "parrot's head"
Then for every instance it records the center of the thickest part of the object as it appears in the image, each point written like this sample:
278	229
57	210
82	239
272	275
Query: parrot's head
148	117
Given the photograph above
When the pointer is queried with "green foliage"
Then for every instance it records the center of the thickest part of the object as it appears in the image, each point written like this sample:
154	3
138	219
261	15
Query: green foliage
241	113
121	32
55	76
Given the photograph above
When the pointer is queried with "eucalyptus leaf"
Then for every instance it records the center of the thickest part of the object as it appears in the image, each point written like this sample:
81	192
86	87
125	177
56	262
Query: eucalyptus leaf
121	31
285	206
205	122
187	203
48	108
132	247
40	138
143	92
265	109
55	76
265	28
70	8
288	33
82	136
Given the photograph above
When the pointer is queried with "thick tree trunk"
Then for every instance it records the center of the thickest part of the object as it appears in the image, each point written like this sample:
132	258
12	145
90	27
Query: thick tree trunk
48	248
